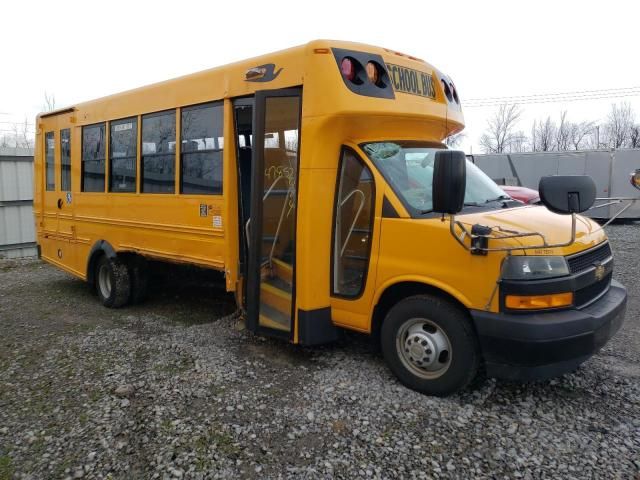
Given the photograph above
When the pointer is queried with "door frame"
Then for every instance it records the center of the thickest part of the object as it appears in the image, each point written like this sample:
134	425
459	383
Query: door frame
243	247
255	234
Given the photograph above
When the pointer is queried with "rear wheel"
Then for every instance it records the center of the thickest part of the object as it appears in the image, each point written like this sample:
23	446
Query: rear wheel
430	346
112	282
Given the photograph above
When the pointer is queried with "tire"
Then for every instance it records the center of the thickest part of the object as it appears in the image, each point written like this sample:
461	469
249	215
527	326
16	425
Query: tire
113	282
430	345
139	280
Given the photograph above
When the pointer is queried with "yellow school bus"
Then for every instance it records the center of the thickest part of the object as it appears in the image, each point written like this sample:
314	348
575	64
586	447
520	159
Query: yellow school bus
317	181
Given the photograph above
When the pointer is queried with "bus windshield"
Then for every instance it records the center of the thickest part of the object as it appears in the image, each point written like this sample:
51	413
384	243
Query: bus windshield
408	167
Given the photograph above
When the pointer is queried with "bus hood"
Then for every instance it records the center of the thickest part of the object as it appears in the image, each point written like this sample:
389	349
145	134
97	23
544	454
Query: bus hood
531	219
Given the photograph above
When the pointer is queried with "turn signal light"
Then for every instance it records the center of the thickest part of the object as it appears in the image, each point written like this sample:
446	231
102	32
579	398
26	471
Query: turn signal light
538	302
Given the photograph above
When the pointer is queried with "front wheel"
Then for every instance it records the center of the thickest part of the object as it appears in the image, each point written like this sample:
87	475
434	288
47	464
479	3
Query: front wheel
430	345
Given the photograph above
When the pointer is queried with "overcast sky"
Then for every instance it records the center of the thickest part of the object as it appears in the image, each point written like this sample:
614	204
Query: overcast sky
79	50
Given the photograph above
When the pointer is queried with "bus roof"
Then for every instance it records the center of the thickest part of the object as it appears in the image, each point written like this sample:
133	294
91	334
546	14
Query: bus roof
312	65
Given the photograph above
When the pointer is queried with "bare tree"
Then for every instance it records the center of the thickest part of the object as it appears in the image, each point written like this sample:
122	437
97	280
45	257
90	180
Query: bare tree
49	104
579	132
26	136
500	133
455	140
544	134
635	137
563	133
520	142
620	121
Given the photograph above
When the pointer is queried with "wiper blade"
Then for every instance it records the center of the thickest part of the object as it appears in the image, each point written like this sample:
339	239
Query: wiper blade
501	197
424	212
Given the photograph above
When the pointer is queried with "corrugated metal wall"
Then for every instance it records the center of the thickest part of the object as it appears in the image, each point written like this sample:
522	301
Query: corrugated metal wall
610	169
17	229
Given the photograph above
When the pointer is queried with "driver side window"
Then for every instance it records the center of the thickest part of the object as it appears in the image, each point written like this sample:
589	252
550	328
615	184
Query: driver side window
353	226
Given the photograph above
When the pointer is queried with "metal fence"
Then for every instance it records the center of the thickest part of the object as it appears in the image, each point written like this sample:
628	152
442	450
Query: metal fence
610	169
17	228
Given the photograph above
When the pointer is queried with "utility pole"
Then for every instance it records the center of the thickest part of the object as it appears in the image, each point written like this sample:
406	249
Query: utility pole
597	137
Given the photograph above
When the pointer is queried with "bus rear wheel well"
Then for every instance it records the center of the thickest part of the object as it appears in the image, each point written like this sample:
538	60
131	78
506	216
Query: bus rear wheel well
99	249
398	291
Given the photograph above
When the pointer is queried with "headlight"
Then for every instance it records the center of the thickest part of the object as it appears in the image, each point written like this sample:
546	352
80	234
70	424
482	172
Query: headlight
522	267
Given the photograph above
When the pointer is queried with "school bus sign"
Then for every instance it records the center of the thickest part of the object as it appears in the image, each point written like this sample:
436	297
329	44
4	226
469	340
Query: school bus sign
414	82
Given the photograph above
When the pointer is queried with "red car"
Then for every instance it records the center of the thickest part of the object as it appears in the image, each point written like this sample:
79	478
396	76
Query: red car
522	194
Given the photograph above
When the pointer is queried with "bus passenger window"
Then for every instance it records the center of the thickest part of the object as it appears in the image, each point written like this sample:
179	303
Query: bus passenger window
65	160
122	155
158	152
353	226
93	158
201	149
49	149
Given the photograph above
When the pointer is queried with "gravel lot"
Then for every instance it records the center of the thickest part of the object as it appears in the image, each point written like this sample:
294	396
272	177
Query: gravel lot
174	388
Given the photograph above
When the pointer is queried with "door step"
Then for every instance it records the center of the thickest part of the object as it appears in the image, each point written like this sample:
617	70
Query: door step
276	298
283	270
272	318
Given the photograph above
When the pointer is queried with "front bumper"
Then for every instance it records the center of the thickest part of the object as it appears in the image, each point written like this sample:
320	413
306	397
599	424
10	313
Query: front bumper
541	345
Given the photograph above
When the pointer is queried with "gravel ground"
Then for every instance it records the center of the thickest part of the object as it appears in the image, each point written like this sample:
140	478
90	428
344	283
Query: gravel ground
164	390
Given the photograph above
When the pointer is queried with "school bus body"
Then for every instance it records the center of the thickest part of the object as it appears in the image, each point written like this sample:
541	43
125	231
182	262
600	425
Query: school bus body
406	255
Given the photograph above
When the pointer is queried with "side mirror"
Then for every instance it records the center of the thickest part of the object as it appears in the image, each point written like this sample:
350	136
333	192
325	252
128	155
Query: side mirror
567	193
449	181
635	178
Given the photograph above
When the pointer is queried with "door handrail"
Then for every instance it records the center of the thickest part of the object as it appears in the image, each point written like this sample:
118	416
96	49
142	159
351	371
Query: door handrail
355	219
284	205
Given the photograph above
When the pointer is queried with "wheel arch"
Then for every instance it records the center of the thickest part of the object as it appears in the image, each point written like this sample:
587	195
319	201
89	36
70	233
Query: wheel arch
396	290
99	248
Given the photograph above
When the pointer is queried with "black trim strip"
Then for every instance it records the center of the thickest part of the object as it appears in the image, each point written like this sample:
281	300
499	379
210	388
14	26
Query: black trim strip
387	209
315	327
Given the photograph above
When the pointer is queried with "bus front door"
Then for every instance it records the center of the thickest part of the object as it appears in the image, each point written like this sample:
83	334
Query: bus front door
270	294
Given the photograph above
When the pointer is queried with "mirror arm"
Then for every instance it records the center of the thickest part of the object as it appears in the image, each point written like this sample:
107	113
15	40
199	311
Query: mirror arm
460	239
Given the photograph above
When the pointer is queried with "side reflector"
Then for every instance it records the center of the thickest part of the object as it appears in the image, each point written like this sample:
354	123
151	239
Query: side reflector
537	302
320	50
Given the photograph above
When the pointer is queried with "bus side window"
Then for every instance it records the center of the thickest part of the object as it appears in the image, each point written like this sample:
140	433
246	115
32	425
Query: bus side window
353	226
49	154
93	158
65	160
158	152
201	149
123	146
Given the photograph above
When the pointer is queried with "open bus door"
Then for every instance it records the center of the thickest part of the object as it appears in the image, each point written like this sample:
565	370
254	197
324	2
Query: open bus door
271	228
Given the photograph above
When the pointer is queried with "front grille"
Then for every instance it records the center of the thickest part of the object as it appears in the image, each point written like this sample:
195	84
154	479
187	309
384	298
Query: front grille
588	294
583	261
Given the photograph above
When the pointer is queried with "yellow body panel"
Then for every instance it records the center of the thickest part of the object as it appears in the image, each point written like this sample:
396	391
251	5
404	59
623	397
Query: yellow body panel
170	227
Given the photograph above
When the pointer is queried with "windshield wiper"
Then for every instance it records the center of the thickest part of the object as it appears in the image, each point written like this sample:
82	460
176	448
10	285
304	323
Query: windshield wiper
473	204
501	197
424	212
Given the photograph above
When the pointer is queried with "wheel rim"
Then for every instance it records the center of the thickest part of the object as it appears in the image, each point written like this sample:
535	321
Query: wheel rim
424	348
104	281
